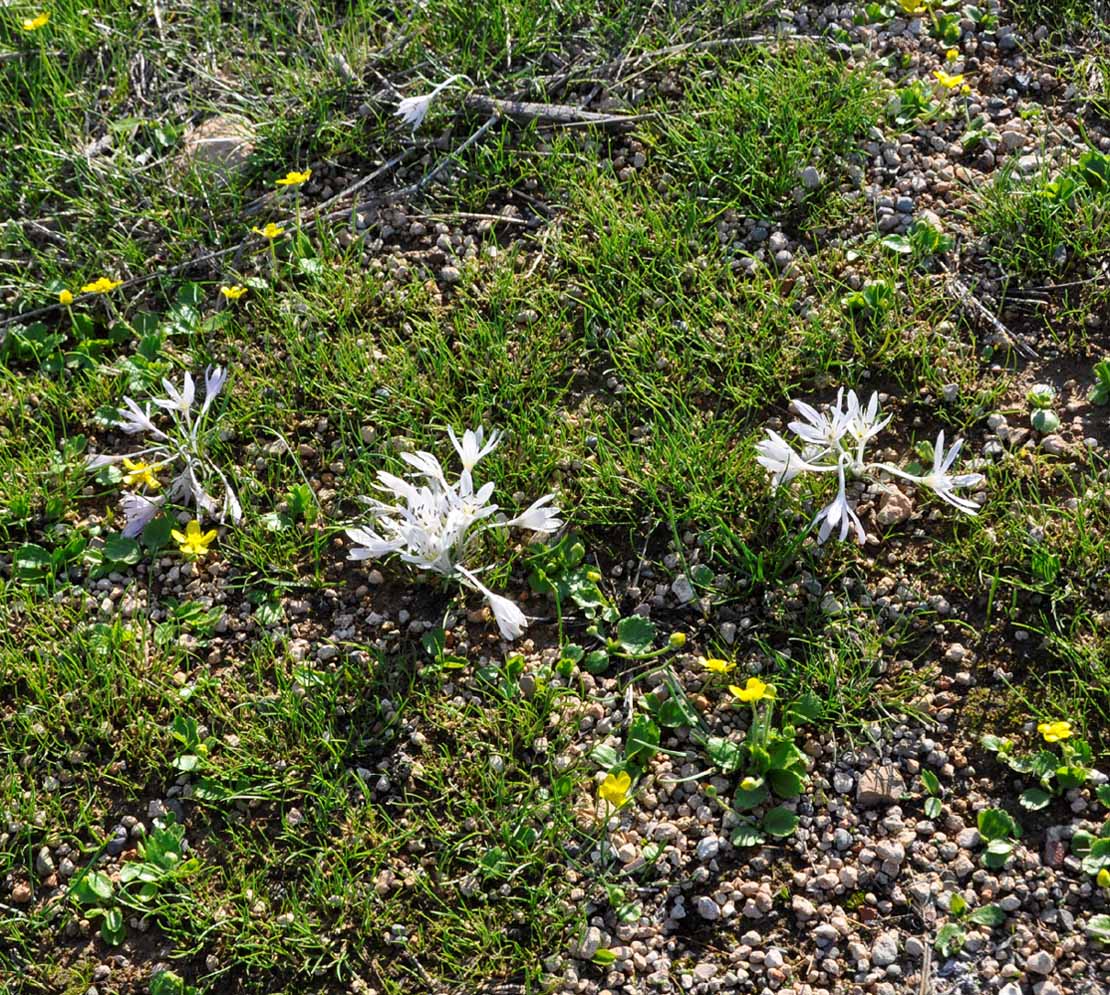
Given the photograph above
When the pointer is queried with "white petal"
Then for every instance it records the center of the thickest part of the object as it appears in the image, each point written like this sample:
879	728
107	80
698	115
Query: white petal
511	621
539	517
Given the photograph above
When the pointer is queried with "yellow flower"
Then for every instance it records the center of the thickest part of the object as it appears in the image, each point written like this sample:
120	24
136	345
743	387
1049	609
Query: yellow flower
614	789
952	54
193	542
101	286
1053	732
948	82
755	690
911	6
65	298
139	472
718	666
677	640
294	179
233	293
34	23
1102	879
270	231
751	783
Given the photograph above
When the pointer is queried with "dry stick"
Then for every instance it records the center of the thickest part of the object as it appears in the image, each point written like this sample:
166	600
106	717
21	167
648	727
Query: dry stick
964	295
563	114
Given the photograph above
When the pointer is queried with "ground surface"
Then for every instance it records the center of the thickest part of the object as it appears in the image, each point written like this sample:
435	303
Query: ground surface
273	769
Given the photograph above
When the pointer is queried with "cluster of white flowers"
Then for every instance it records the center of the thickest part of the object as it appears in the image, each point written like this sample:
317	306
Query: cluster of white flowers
431	524
179	448
835	442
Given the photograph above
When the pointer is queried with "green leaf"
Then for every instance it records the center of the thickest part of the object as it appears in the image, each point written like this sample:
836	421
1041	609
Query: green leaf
786	783
120	549
957	905
643	738
933	807
605	756
636	634
1098	858
746	834
746	799
997	853
996	824
995	744
1102	793
987	915
726	754
573	652
111	927
897	243
808	708
1098	927
931	782
950	938
780	821
31	562
156	532
604	957
167	983
94	887
1034	799
596	662
1081	842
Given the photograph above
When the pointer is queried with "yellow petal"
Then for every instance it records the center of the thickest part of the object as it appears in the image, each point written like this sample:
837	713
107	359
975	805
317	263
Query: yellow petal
178	536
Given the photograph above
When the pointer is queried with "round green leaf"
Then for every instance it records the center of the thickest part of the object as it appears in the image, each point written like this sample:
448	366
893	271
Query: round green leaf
780	821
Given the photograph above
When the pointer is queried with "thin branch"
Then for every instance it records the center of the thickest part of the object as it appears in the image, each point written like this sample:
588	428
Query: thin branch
528	112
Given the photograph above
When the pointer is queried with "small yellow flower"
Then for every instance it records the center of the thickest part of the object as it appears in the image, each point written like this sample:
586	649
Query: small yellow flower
614	789
1053	732
65	298
294	179
101	286
1102	879
952	54
677	640
34	23
948	82
751	783
755	690
139	472
193	542
911	6
270	231
233	293
716	666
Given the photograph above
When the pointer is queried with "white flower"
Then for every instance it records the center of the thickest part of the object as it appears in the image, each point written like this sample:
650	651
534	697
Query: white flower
824	432
181	448
777	456
138	510
431	523
511	621
942	483
180	401
214	380
838	441
839	512
135	420
864	425
538	517
413	110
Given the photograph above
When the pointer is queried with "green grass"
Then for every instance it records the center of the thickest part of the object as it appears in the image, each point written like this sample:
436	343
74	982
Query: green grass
615	334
